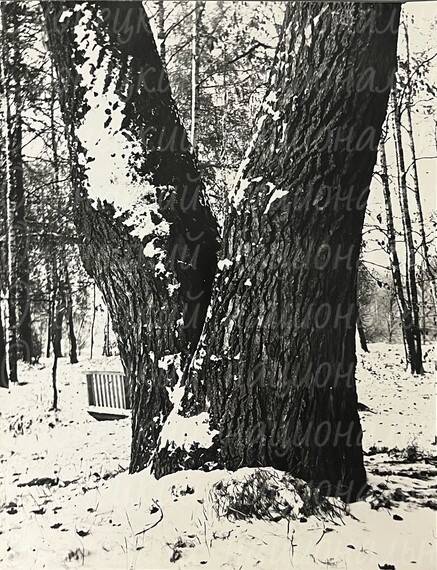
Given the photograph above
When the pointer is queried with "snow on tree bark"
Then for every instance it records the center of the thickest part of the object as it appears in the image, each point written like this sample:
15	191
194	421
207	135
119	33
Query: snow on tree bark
274	373
147	234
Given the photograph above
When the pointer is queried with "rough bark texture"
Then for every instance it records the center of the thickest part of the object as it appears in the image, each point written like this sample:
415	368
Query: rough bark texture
156	282
275	366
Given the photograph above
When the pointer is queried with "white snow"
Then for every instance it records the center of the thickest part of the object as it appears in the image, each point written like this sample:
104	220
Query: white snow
240	184
109	171
276	195
224	264
183	432
150	250
65	15
98	516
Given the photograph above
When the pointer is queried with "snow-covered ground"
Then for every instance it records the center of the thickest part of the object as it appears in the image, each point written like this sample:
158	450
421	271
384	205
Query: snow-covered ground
67	500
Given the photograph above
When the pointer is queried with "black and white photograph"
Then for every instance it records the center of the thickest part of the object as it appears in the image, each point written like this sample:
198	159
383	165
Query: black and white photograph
218	275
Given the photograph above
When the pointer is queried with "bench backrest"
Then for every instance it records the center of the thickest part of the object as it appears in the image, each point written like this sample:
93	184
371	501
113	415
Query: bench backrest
108	389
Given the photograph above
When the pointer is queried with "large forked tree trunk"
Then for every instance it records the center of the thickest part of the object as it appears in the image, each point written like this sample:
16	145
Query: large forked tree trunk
272	382
149	238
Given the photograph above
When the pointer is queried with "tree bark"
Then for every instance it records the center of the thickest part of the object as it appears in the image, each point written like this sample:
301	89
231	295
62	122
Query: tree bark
156	278
273	380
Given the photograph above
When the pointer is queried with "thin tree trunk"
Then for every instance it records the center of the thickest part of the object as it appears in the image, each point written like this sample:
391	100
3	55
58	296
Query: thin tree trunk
416	362
195	72
404	307
361	333
274	373
161	31
50	310
11	201
54	379
416	187
93	320
58	311
24	328
70	319
4	379
399	189
423	285
106	343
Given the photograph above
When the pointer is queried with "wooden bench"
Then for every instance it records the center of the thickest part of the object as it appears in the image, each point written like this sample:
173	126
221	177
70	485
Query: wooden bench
108	395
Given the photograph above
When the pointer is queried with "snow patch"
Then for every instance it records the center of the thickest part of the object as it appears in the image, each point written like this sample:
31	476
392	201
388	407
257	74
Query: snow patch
224	264
182	432
277	194
111	153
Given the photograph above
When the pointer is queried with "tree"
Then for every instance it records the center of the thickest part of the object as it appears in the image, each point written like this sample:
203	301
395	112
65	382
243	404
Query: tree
273	390
13	14
411	281
275	369
404	305
197	18
154	260
68	300
363	294
416	187
4	380
11	199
